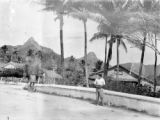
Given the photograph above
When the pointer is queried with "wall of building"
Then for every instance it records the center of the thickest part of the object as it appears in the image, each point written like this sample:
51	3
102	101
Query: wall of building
135	102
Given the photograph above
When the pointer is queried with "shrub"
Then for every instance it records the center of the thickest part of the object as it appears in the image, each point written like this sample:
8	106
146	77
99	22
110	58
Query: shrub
12	73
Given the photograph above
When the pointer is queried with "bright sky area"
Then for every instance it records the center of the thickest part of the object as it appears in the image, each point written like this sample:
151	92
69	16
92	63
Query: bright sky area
21	19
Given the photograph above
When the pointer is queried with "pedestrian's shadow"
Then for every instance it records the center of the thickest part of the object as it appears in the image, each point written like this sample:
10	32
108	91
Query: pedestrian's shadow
93	102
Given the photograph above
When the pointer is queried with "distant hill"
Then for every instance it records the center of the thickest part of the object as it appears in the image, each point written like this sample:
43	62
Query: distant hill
148	70
50	59
91	58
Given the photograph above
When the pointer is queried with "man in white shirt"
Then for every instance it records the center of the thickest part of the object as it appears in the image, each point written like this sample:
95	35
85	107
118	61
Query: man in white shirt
99	83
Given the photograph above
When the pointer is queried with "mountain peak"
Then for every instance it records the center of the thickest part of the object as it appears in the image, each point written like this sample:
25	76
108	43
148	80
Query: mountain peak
31	42
92	55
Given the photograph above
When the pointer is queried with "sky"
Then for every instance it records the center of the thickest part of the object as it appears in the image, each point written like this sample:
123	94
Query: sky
22	19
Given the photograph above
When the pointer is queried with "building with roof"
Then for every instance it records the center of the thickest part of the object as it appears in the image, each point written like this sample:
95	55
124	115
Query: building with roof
125	75
11	71
12	65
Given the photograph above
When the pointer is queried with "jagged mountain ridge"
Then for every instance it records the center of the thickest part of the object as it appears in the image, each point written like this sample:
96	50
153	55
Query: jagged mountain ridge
49	57
91	58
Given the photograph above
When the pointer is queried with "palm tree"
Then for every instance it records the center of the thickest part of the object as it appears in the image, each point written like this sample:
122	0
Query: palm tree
155	66
61	8
112	40
155	30
141	22
120	41
79	12
111	22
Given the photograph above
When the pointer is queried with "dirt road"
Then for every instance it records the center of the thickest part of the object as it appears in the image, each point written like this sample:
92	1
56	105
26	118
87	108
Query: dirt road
18	104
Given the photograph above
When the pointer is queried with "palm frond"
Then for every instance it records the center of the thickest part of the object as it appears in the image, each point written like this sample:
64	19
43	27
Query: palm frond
122	43
135	41
57	6
50	5
150	5
79	14
98	35
98	18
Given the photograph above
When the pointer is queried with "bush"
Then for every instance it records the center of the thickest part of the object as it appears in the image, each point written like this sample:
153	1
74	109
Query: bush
130	88
74	77
12	73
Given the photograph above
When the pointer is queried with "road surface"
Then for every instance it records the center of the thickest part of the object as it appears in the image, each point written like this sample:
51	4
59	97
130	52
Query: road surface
18	104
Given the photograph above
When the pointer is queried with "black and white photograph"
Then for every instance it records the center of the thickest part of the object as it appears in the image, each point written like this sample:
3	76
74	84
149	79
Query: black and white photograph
79	59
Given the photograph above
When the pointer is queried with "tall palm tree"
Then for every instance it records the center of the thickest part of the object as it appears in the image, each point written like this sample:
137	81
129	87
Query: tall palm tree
82	14
61	8
155	30
111	22
120	41
142	19
155	66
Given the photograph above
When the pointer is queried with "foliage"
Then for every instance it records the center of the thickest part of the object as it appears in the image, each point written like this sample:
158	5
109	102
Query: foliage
4	48
121	20
30	53
12	73
130	88
4	55
98	66
73	75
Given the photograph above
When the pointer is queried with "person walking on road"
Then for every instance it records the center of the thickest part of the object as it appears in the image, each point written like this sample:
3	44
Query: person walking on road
99	83
34	66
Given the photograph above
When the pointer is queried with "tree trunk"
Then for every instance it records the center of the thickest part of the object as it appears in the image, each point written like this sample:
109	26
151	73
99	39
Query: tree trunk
141	63
155	67
117	75
105	60
61	45
108	60
85	53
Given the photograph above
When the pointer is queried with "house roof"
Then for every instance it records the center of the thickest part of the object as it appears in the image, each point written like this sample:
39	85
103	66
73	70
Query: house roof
131	75
13	65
